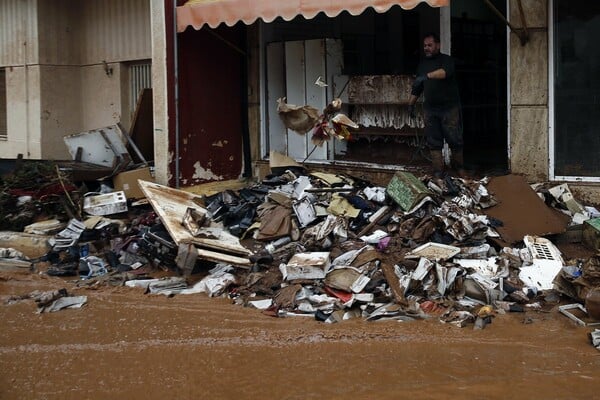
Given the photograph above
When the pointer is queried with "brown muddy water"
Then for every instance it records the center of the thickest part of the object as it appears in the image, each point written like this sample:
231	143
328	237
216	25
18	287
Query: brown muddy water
124	344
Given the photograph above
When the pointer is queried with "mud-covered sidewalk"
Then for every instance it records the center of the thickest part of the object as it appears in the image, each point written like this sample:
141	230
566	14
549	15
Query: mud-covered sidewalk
123	344
303	285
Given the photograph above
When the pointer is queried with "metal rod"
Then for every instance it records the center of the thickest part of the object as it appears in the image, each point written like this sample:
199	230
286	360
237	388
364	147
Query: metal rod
132	144
520	32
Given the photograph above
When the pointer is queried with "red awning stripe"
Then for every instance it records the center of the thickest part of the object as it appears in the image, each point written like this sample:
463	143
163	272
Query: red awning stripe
197	13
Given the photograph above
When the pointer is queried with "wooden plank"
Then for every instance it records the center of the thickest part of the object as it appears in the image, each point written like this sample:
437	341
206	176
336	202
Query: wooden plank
210	188
374	220
296	93
170	205
392	280
209	255
275	89
316	96
142	126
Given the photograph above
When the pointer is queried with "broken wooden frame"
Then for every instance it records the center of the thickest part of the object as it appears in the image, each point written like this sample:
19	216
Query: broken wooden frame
213	241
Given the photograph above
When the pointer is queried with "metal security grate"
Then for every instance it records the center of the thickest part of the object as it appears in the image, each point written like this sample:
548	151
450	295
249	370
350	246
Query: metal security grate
140	78
3	106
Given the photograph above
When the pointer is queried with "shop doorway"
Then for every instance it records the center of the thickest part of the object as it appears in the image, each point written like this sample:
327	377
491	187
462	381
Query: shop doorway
479	48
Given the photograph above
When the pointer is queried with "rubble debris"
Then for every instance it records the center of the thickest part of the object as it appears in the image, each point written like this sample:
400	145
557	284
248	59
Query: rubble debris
568	311
31	245
51	300
433	251
594	337
408	191
305	266
329	247
33	191
105	204
14	260
546	263
300	119
48	227
105	147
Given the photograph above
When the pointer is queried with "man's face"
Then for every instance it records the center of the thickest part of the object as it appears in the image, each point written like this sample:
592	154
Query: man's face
430	47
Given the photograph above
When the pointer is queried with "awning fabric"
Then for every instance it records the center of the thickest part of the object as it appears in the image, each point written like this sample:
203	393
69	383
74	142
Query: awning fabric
197	13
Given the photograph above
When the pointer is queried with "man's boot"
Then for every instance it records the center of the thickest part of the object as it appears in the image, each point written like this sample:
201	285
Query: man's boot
437	162
458	162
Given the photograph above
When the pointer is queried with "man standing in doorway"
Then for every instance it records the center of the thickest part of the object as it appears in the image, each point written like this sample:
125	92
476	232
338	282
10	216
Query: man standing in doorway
441	105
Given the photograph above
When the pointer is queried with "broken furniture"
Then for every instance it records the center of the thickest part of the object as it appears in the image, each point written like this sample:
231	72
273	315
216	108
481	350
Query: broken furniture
104	146
214	243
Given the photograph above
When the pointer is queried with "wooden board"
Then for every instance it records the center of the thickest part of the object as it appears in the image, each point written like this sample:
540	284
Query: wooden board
142	126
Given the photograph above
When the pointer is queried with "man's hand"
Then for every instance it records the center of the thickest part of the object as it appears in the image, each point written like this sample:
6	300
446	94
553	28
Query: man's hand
419	81
411	111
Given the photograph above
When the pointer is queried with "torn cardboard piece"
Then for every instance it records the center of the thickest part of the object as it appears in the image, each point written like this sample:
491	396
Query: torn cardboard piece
521	211
127	182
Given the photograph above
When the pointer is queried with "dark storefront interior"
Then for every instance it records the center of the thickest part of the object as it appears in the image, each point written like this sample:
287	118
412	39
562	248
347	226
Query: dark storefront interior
576	88
390	44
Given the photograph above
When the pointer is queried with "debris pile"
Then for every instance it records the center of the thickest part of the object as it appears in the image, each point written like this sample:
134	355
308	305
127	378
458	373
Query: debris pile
328	246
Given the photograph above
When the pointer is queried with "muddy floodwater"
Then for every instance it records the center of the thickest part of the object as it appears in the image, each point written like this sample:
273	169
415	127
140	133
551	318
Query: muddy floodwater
127	345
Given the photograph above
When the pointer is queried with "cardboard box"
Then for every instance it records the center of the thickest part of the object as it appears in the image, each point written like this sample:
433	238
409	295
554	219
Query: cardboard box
128	182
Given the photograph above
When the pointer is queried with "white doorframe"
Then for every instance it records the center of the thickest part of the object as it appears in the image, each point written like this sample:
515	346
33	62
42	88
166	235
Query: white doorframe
551	109
551	144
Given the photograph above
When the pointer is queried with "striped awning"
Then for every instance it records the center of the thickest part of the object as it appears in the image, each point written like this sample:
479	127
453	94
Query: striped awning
197	13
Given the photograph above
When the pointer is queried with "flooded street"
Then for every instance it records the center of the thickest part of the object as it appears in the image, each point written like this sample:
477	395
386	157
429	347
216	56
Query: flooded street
124	344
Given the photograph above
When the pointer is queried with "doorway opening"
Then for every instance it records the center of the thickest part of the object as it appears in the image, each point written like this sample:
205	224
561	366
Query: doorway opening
479	50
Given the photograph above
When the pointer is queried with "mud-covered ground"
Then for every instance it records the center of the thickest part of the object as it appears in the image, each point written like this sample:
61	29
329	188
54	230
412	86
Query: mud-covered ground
125	344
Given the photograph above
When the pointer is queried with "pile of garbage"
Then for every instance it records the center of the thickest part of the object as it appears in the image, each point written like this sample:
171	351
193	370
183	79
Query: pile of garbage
325	246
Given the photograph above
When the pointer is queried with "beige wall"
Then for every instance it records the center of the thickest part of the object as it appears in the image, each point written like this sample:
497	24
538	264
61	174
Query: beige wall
61	107
529	93
23	93
101	96
18	32
59	27
54	53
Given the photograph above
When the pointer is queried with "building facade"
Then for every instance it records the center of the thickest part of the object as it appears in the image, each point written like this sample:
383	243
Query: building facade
66	67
